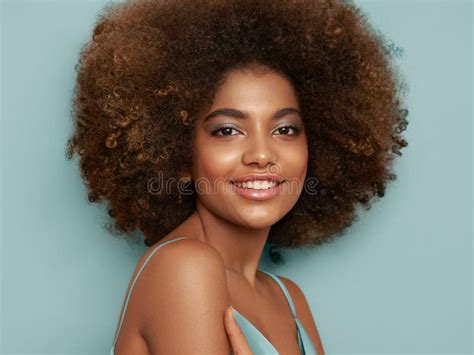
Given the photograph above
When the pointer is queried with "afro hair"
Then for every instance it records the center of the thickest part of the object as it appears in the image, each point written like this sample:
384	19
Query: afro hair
151	67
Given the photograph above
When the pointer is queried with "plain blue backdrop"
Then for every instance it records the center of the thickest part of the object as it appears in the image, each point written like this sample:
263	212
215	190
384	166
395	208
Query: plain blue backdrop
399	281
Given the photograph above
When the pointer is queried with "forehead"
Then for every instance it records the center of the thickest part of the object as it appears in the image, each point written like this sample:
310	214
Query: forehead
255	88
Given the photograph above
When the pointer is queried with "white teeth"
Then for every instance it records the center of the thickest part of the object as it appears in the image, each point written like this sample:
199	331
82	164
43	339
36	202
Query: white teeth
257	185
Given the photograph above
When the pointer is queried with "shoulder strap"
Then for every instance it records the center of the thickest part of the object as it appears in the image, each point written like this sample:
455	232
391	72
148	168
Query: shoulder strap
135	280
285	291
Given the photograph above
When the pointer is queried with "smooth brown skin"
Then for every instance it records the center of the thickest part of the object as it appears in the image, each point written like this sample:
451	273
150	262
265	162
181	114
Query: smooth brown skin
179	301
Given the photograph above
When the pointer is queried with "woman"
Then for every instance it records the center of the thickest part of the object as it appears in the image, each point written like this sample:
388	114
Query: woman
215	127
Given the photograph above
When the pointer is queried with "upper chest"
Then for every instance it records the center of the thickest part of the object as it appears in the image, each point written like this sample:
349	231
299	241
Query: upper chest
265	315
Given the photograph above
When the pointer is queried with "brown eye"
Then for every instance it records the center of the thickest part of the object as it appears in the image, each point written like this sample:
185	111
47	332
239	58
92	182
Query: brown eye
285	129
226	130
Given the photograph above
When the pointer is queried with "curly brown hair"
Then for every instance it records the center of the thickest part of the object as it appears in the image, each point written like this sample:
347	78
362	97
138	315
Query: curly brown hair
151	67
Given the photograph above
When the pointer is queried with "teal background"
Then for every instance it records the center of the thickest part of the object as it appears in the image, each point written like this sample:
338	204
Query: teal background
399	281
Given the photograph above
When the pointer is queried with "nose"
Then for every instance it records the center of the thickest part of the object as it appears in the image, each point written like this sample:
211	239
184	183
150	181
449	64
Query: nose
260	150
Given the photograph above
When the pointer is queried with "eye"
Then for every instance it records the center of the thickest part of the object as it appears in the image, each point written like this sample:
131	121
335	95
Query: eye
225	130
284	130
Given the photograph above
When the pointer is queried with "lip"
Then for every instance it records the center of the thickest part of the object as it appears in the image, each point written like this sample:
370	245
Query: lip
257	195
258	177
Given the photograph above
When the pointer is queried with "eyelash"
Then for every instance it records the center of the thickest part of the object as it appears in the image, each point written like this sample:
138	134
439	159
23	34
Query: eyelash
218	129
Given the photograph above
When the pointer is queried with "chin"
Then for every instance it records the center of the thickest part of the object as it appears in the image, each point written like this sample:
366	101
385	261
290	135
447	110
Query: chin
259	220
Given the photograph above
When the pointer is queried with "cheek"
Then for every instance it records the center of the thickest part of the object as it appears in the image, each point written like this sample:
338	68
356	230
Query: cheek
296	160
213	163
295	165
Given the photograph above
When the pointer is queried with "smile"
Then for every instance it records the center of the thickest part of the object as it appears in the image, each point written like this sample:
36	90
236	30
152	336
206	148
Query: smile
257	190
257	185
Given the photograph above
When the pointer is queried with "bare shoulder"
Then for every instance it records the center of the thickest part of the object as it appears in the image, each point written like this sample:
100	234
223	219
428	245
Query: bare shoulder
181	296
186	250
304	313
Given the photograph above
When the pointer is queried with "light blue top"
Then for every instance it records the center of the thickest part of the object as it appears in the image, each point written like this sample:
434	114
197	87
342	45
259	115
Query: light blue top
258	343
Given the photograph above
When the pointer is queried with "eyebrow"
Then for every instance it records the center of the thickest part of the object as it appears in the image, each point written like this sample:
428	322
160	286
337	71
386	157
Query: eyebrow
230	112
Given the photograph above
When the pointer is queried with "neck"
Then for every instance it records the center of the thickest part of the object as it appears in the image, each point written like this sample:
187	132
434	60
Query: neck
240	247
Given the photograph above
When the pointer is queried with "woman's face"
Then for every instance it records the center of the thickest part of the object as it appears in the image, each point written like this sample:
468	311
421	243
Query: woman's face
252	127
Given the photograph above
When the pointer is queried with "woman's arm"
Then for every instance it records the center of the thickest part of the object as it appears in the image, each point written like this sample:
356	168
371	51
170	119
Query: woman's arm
183	297
304	313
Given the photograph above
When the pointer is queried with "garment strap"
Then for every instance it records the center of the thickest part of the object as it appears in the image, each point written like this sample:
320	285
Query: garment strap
285	291
135	280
